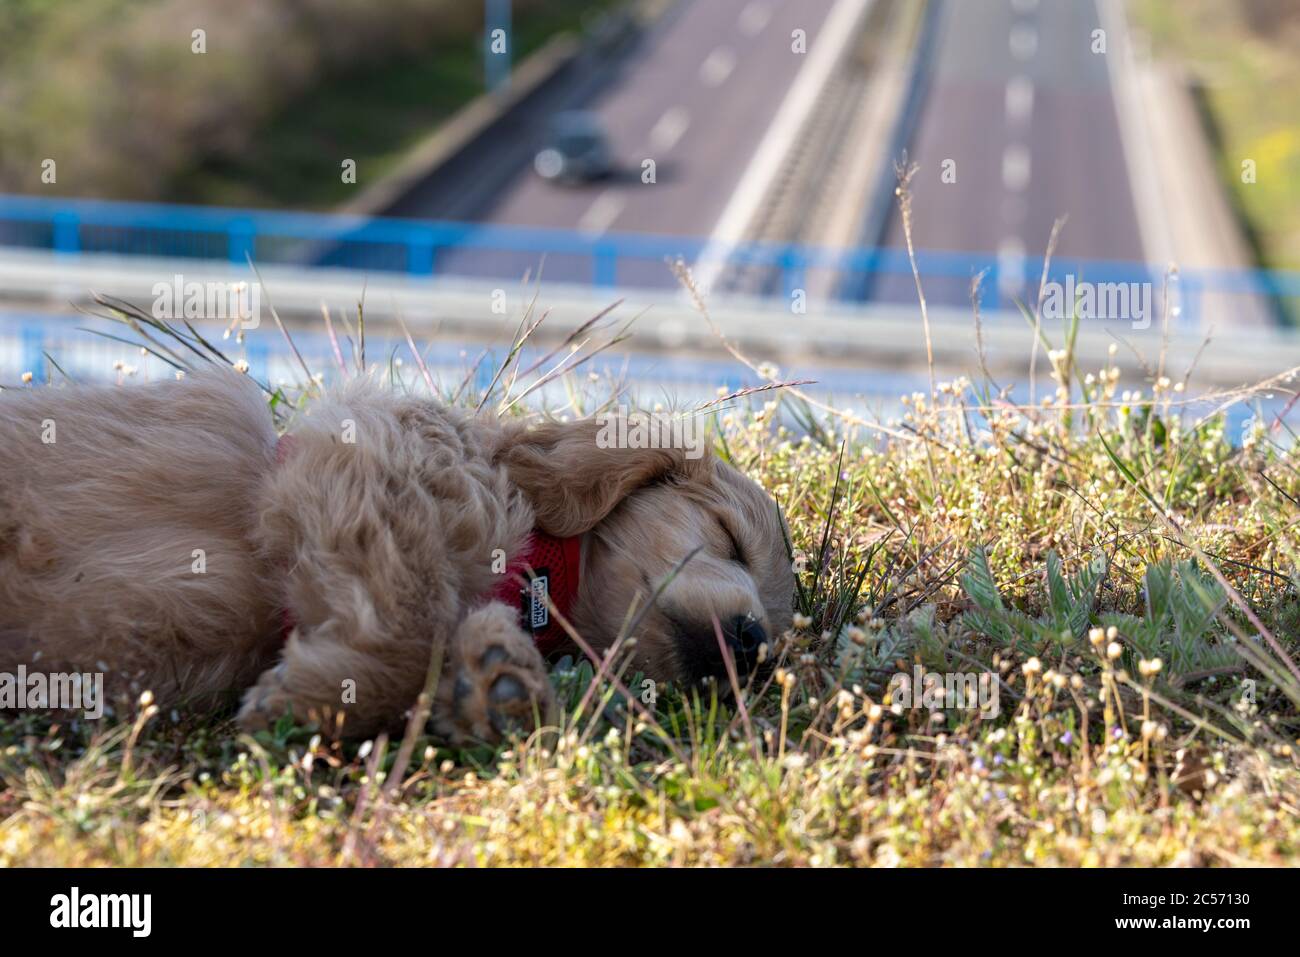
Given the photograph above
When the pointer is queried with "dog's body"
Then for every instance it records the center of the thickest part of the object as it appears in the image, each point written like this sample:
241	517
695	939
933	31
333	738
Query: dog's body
155	530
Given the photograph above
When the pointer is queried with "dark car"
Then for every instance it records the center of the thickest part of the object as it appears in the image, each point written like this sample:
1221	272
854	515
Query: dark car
576	149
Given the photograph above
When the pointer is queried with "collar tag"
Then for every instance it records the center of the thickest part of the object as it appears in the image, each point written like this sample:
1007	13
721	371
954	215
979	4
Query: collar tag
536	612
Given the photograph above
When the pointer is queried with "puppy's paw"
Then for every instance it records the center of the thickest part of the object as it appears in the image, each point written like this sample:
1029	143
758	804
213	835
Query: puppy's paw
496	683
265	702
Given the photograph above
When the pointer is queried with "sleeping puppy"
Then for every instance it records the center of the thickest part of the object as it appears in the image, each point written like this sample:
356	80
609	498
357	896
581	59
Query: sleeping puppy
163	533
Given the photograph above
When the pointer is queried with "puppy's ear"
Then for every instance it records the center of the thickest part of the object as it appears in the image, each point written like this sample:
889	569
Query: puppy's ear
573	480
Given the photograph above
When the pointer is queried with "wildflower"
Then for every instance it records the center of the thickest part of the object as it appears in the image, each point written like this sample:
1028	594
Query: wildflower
1114	650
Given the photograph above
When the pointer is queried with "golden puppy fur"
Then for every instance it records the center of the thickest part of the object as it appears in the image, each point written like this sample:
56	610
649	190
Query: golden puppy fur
150	531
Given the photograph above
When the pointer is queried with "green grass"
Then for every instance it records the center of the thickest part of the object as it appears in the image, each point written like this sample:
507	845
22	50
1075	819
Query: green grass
1065	547
372	115
113	92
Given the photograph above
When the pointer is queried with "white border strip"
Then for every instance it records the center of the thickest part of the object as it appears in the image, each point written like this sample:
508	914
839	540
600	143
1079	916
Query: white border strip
839	28
1144	187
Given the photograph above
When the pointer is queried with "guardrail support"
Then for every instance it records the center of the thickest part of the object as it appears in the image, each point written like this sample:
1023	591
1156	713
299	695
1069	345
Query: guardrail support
67	232
239	241
792	271
34	353
605	265
420	254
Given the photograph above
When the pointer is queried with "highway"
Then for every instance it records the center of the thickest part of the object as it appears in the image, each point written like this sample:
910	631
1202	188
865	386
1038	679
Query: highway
1014	99
1011	98
696	95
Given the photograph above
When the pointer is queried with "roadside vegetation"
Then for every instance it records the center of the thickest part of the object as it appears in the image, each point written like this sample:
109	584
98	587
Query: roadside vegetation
284	93
1121	569
1245	59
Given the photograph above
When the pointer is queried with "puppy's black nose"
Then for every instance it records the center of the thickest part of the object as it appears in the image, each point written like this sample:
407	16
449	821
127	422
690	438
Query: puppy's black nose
745	634
700	657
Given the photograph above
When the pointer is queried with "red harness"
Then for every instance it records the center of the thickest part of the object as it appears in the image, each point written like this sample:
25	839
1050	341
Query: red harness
544	578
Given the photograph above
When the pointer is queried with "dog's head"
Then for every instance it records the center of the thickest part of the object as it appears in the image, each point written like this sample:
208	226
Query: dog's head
679	547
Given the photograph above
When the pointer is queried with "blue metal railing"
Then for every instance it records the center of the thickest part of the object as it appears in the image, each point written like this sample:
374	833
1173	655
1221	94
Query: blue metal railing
429	248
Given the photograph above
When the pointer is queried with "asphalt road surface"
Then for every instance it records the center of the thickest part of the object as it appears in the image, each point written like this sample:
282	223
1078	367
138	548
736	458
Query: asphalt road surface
696	95
1014	96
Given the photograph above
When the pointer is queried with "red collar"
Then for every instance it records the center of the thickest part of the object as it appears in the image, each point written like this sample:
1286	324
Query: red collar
547	568
544	577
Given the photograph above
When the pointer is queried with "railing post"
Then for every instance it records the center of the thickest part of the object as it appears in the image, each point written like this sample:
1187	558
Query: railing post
67	232
34	352
605	265
239	241
792	270
419	252
259	358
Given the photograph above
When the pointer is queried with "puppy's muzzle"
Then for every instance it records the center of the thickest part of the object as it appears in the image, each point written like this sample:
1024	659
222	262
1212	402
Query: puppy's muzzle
701	656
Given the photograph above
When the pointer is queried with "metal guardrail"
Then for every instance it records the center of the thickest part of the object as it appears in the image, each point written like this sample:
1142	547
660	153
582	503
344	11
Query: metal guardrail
428	248
90	349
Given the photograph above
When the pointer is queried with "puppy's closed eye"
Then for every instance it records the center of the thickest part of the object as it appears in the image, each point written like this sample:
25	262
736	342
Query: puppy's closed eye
737	553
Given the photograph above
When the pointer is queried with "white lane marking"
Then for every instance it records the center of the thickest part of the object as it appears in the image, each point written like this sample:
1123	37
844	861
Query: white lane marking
1024	6
1015	167
1019	100
717	66
754	18
669	128
602	213
1023	41
1011	264
838	30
